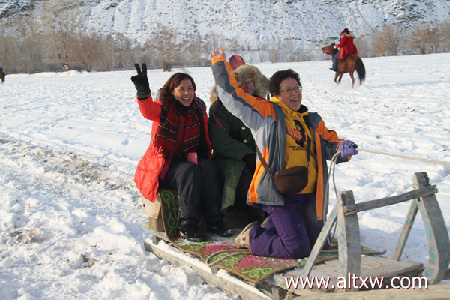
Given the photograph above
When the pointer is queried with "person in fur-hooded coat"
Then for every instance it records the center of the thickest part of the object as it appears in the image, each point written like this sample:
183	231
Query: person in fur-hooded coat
234	146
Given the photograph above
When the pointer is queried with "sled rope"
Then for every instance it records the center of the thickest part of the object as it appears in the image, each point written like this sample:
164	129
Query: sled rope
335	157
406	157
331	173
232	253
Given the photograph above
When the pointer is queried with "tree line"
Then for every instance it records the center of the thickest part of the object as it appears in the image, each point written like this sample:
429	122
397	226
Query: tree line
392	40
58	42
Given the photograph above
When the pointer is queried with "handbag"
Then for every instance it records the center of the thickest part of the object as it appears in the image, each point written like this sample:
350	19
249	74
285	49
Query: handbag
288	181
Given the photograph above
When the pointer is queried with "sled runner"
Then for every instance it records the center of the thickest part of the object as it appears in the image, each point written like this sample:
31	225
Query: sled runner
239	272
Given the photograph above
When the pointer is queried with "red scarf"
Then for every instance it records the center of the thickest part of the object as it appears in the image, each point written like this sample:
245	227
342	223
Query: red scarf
178	130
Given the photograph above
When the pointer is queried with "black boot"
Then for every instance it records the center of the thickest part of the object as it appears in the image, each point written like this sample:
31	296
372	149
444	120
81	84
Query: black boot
255	214
192	233
219	228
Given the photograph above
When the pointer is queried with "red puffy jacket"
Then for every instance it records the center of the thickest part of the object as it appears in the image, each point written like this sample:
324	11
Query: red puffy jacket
152	163
346	46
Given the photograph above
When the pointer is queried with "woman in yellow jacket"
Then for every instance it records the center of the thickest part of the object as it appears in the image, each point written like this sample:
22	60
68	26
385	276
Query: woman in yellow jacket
287	135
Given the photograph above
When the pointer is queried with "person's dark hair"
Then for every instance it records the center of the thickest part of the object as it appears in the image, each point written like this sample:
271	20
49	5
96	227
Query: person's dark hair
173	82
278	77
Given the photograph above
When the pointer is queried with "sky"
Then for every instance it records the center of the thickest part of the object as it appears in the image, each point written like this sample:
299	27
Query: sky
70	214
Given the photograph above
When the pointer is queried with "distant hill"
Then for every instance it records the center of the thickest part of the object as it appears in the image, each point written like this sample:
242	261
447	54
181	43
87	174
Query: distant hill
253	23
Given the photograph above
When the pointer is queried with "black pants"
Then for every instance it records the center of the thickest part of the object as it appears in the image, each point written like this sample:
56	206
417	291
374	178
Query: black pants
198	189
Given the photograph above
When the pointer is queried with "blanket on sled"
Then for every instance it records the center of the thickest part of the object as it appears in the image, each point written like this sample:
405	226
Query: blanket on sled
223	253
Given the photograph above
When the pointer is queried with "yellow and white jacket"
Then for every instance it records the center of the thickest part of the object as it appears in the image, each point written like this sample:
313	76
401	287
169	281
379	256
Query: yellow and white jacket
278	133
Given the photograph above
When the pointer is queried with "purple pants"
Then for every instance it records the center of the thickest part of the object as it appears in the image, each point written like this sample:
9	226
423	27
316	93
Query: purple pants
291	230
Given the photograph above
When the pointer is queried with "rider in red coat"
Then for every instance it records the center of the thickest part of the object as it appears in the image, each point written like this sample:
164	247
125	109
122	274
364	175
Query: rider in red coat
346	45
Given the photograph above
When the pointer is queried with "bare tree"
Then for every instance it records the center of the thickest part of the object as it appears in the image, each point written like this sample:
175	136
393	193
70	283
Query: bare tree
194	51
388	40
424	38
31	47
363	46
165	42
87	51
123	57
274	55
62	21
444	36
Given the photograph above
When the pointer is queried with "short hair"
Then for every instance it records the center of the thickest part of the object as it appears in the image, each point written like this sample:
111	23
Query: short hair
278	77
173	82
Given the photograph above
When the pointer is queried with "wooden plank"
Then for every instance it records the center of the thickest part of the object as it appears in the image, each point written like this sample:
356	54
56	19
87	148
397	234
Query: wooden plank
410	218
377	203
276	291
222	279
372	262
389	268
437	234
349	241
371	266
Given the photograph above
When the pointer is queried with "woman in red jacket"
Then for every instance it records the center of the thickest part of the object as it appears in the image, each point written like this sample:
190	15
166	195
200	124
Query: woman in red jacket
179	154
346	46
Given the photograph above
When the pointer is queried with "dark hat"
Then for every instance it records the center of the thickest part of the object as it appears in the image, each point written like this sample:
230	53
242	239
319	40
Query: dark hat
345	31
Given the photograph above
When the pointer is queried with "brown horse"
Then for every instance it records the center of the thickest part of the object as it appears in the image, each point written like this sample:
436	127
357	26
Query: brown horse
350	64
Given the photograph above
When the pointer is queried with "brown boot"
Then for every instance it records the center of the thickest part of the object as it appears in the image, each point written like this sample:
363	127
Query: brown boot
243	239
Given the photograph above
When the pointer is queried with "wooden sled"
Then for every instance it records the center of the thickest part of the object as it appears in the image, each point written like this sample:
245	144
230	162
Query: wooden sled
350	266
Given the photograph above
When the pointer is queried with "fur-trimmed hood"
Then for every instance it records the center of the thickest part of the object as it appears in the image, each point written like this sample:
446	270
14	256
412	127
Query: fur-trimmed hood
242	74
350	34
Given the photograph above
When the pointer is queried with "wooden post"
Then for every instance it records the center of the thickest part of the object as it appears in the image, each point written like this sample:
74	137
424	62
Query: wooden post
410	217
349	241
437	234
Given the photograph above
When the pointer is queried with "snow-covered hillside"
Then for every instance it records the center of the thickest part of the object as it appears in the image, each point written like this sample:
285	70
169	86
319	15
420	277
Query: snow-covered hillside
255	24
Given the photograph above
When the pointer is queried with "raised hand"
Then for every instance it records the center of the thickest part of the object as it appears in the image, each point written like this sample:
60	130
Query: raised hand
217	53
141	82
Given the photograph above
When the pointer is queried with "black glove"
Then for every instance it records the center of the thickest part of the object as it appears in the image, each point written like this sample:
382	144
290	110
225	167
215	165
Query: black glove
141	82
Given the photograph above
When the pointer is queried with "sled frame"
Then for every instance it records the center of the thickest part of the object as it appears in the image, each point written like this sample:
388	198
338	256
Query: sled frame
349	262
344	214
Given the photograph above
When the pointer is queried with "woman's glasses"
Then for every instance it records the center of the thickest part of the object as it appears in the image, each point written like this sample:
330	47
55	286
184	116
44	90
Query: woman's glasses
290	91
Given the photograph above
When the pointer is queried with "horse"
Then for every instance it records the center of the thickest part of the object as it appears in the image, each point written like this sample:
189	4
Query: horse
350	64
2	76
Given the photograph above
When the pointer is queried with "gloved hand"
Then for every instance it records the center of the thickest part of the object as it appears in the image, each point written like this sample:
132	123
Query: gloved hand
141	82
347	148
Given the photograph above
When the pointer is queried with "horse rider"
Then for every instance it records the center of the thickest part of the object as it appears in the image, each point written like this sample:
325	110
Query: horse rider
346	46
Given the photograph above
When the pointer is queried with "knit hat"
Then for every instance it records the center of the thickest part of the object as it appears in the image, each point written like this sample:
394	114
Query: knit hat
235	62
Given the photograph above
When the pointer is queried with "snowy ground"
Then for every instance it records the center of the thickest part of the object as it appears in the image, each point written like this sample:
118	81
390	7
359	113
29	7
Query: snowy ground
70	217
